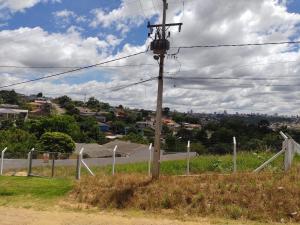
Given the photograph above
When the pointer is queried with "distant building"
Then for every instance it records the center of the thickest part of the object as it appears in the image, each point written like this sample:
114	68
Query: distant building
104	127
189	126
145	124
40	106
13	114
170	123
9	106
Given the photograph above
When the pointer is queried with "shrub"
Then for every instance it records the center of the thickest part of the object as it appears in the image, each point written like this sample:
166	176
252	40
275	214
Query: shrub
57	142
18	142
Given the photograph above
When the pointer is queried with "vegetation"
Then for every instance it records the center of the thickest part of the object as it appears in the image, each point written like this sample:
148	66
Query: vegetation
19	142
26	191
246	162
263	196
57	142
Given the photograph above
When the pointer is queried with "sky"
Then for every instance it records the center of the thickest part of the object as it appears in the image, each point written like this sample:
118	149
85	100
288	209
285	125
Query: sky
68	33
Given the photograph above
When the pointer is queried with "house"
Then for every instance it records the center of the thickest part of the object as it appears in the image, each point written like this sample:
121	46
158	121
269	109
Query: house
104	127
124	149
100	118
189	126
40	106
13	114
170	123
144	124
83	111
9	106
93	150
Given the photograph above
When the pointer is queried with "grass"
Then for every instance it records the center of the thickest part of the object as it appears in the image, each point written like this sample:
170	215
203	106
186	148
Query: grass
260	197
268	196
27	190
246	162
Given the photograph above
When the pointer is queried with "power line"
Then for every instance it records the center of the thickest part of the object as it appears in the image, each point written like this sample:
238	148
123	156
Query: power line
141	5
133	84
71	67
236	45
114	88
221	78
74	70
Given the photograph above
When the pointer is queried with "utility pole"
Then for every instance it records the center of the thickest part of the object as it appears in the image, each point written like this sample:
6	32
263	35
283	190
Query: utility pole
160	46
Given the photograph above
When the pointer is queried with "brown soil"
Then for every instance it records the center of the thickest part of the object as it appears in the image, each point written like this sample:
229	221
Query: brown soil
18	216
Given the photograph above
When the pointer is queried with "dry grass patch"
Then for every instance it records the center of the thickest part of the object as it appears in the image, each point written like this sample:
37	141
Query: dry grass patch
262	197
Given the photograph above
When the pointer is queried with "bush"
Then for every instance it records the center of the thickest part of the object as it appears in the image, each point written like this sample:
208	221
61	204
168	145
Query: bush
199	148
18	142
57	142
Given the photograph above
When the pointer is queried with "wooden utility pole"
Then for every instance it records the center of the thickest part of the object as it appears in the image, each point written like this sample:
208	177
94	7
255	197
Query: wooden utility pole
160	46
158	122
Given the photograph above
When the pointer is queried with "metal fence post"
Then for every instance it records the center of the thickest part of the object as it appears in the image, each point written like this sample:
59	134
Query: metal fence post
2	161
188	158
234	154
114	160
30	162
150	160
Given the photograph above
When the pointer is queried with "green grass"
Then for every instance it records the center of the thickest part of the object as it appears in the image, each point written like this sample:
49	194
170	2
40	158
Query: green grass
209	163
25	191
246	162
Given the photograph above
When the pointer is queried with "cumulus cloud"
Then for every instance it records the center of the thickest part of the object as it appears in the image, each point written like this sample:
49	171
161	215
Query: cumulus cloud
128	15
205	22
66	17
20	5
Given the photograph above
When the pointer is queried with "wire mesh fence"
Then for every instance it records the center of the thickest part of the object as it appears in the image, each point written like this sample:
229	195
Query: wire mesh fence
45	163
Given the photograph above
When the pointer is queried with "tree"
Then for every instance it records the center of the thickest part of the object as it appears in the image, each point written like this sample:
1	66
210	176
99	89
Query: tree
185	135
10	97
199	148
57	142
93	103
59	123
39	95
118	127
166	111
18	142
63	100
135	138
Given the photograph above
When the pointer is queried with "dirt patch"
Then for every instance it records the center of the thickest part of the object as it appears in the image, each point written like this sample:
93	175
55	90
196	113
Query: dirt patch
17	216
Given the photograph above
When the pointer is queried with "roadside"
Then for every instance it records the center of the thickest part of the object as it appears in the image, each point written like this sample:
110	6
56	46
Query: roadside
19	216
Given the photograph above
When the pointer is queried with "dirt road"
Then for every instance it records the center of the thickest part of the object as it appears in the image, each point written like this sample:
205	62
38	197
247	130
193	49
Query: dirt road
18	216
12	216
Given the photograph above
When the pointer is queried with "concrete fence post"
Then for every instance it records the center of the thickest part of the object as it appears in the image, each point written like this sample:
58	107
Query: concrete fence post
114	160
150	160
234	155
2	160
188	158
289	154
30	162
78	165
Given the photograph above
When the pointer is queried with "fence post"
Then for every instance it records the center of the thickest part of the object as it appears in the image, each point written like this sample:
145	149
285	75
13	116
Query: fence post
289	154
234	154
53	165
150	160
114	160
2	160
188	158
30	162
78	165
